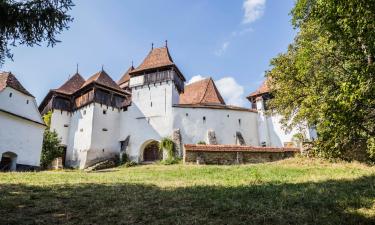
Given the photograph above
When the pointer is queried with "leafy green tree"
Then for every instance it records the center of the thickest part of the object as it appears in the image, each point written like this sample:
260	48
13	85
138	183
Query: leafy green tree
31	22
51	148
327	76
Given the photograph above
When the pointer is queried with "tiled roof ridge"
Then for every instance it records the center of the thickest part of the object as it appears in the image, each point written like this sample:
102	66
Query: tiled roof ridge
7	79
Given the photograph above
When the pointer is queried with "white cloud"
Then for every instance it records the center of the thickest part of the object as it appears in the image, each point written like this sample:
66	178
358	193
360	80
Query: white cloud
195	79
232	92
254	9
222	48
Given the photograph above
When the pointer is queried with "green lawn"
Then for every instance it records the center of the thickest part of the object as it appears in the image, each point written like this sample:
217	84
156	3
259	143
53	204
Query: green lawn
294	191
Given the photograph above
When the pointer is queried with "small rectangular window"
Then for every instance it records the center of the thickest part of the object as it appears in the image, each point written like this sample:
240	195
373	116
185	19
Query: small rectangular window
10	95
104	112
27	101
104	129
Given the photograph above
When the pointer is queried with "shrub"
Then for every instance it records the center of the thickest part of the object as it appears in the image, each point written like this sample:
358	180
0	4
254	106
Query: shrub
201	143
51	148
168	145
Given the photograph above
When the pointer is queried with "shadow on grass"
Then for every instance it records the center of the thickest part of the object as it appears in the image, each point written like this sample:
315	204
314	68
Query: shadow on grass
329	202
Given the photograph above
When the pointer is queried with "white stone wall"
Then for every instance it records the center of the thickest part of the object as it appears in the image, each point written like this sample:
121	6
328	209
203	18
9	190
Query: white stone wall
19	104
105	141
80	135
21	137
60	122
273	133
149	117
224	122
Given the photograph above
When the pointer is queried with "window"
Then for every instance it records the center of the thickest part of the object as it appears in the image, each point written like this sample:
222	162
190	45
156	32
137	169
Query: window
187	114
81	130
151	104
10	94
27	101
84	112
104	112
239	121
264	144
228	115
104	129
204	119
66	125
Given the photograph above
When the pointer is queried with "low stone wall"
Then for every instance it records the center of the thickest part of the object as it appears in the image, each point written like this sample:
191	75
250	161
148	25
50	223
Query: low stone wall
234	154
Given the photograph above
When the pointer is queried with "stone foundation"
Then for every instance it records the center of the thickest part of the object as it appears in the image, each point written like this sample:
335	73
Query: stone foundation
234	154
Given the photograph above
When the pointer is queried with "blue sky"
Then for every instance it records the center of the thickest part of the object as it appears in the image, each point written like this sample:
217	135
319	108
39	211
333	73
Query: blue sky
229	40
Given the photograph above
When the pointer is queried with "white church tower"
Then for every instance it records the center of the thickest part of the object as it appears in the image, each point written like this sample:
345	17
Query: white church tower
155	86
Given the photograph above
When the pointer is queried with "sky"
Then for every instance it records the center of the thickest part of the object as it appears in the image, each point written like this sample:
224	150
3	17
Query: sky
231	41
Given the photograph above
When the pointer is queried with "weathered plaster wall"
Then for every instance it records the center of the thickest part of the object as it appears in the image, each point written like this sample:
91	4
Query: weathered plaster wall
80	135
105	142
149	117
60	122
18	105
22	137
224	122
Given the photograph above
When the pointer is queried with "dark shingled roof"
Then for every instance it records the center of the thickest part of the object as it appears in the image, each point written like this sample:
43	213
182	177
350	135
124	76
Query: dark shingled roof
126	76
201	92
7	79
72	85
104	79
158	57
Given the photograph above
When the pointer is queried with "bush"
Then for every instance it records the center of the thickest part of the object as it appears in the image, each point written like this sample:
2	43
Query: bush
201	143
168	145
51	148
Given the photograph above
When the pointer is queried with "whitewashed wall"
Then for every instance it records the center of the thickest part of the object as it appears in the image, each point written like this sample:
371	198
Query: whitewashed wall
224	122
22	137
80	134
273	133
149	117
18	105
105	141
60	122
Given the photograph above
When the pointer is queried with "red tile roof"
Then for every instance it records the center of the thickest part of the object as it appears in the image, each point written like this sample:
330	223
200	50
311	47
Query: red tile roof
158	57
7	79
261	90
72	85
236	148
104	79
126	76
201	92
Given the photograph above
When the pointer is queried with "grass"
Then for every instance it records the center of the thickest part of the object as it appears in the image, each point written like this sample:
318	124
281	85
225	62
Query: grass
294	191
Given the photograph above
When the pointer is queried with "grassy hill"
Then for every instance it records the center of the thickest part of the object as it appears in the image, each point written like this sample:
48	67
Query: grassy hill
294	191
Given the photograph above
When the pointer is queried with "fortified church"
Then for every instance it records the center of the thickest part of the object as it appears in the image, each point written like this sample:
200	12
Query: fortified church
99	118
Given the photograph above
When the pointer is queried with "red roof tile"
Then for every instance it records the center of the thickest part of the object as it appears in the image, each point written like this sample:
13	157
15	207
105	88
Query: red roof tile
261	90
201	92
7	79
126	76
72	85
158	57
104	79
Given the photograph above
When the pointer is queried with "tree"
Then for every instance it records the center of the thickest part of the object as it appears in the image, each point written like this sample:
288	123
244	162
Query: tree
51	148
327	76
31	22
